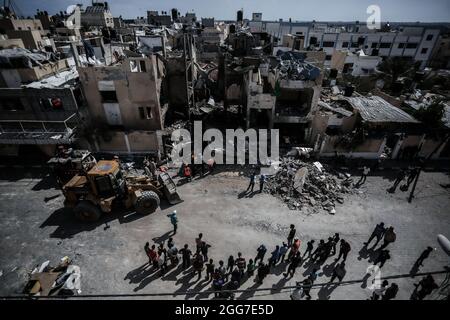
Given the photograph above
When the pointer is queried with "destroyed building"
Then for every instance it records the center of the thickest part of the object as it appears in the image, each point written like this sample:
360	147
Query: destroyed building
124	105
39	100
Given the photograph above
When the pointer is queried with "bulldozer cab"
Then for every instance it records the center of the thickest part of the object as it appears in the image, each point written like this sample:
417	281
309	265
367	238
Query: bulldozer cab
106	179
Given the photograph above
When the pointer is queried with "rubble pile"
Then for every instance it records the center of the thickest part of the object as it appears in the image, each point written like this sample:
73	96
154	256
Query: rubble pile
293	66
302	184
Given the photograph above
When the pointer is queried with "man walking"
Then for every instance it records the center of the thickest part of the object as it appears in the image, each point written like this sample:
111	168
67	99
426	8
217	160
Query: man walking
241	263
343	250
378	232
339	272
291	234
186	254
174	220
423	256
261	252
295	262
400	176
275	256
283	250
383	256
336	239
309	248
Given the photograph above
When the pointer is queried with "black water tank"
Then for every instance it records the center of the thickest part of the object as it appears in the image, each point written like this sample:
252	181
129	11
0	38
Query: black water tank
240	15
232	28
349	90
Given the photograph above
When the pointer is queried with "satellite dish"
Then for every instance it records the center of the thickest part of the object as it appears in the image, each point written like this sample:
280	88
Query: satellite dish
444	242
71	9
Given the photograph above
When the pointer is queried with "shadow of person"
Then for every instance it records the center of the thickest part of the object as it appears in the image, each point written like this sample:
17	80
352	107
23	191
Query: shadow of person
185	283
279	268
251	291
328	269
144	282
367	253
197	289
276	287
138	274
326	290
251	194
415	268
242	194
174	271
162	238
364	280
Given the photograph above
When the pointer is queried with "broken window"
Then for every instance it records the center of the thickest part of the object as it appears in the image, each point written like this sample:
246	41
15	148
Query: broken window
424	50
328	44
345	44
328	57
51	104
429	37
108	96
374	45
401	45
385	45
411	46
138	66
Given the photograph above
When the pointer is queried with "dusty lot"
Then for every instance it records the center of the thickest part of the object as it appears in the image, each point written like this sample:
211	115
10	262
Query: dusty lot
34	228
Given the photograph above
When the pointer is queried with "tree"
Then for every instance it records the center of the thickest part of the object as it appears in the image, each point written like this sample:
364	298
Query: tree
395	67
431	115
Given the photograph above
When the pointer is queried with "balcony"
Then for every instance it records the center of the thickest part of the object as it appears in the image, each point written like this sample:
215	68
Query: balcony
38	132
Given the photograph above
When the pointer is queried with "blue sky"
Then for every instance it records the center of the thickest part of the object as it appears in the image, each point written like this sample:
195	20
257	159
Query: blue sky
301	10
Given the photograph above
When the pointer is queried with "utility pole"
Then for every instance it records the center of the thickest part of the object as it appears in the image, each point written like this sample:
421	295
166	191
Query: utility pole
411	194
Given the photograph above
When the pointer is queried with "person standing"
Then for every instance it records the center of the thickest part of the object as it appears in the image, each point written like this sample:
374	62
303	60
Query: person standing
261	252
378	292
198	264
283	250
378	232
250	268
389	237
230	264
204	250
336	239
307	286
262	179
390	292
241	263
252	182
210	267
199	242
263	271
309	248
291	234
222	270
147	252
344	250
174	220
186	254
295	262
275	256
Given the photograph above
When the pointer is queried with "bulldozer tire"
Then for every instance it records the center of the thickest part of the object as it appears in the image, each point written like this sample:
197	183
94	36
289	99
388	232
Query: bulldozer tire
147	203
86	211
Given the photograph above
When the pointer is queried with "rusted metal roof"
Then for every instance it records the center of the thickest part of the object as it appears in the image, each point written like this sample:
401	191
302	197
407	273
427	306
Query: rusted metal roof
376	109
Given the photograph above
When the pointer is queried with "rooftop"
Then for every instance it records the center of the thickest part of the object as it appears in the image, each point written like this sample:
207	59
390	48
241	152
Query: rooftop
376	109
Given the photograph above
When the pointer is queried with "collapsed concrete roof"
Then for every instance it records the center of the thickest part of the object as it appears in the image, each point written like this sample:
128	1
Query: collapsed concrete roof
376	109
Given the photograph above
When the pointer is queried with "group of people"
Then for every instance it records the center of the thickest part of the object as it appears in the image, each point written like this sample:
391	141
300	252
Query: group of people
236	269
251	185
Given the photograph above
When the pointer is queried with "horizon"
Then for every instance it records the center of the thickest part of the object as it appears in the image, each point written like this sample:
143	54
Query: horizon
402	11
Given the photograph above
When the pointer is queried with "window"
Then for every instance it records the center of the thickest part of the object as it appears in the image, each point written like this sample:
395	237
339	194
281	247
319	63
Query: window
312	41
138	66
145	112
354	45
11	104
328	57
429	37
328	44
345	44
401	45
424	50
108	96
385	45
411	45
374	45
51	104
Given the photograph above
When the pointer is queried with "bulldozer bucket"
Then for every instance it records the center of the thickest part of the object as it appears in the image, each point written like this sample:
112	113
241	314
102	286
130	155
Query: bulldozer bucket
169	188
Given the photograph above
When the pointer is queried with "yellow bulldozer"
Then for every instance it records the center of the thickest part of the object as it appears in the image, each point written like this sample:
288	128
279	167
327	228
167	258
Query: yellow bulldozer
105	185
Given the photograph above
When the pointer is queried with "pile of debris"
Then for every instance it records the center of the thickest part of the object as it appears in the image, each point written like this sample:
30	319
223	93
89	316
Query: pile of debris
64	279
303	184
293	66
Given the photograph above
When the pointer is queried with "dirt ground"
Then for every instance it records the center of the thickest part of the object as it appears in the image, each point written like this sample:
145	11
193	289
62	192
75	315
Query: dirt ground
35	228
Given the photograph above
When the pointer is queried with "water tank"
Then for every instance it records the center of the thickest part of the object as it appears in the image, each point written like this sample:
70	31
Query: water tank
240	15
232	28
